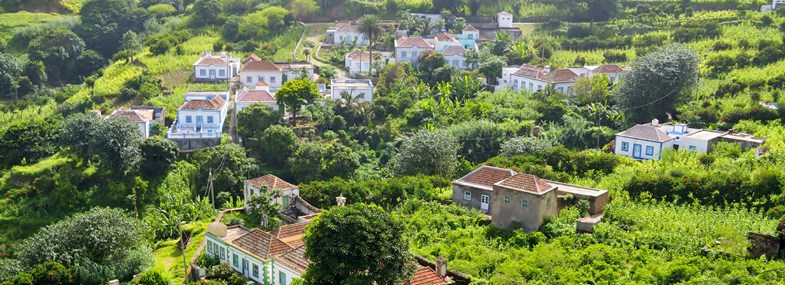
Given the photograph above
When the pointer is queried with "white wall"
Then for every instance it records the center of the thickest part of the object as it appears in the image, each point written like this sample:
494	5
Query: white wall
290	274
239	106
349	37
228	71
631	142
685	143
412	54
356	92
457	61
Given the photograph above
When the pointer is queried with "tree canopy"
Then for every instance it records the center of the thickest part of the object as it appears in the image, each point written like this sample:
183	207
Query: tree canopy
294	94
356	244
427	152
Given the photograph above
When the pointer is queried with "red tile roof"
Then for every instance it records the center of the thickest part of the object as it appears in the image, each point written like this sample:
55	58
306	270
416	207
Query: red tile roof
212	60
252	57
289	231
272	182
444	37
646	132
426	276
255	96
470	28
405	42
561	76
526	183
216	103
262	83
485	176
453	50
261	244
138	116
259	65
608	68
295	259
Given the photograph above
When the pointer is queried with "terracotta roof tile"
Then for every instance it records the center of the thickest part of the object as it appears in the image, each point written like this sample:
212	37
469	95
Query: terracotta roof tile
254	96
259	65
216	103
212	60
426	276
561	76
608	68
445	37
289	231
453	51
526	183
470	28
485	176
646	132
139	116
295	258
272	182
405	42
252	57
261	244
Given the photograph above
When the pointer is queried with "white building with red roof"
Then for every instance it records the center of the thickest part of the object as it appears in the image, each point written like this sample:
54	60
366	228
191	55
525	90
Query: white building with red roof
275	74
525	199
216	67
202	115
258	95
142	118
410	48
358	61
537	78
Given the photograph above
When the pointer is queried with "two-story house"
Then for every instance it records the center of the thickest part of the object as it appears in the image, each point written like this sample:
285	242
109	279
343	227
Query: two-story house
142	118
519	198
536	78
215	67
410	48
199	118
271	182
347	34
358	61
275	74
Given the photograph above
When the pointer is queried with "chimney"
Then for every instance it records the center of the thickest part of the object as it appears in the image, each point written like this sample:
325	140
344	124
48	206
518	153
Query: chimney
217	228
655	122
340	200
547	68
441	266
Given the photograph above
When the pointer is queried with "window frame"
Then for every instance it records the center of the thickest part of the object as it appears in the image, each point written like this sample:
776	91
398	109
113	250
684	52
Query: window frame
254	270
649	150
210	120
524	203
189	119
281	277
506	199
235	260
625	146
467	195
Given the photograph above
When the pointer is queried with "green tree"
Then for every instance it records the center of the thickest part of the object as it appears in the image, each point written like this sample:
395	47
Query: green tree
55	49
369	26
104	22
227	166
304	8
317	160
53	273
35	71
427	152
9	73
132	44
525	145
105	241
262	209
278	143
356	244
253	120
152	277
491	67
28	140
657	81
116	143
253	25
277	17
161	10
207	12
157	155
294	94
77	133
592	89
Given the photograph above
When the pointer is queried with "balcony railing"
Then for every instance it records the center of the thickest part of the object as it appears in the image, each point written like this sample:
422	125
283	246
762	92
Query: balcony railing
193	131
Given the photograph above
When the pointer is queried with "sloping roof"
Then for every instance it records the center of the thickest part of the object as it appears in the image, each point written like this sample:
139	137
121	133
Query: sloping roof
484	177
259	65
292	230
262	83
272	182
561	75
453	51
526	183
608	68
255	96
349	28
445	37
261	244
470	28
295	259
216	103
504	13
646	132
252	57
426	276
531	71
363	56
406	42
138	116
211	60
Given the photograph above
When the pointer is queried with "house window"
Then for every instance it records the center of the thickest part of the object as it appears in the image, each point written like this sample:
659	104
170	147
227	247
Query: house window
234	260
471	36
203	72
539	87
281	278
649	150
357	65
516	83
625	146
467	195
692	147
272	79
506	199
261	78
222	73
548	203
403	54
255	270
455	62
361	96
248	79
524	203
222	252
560	89
188	119
531	86
209	119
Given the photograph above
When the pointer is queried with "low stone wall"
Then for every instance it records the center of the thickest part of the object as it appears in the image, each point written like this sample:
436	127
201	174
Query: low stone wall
195	144
761	244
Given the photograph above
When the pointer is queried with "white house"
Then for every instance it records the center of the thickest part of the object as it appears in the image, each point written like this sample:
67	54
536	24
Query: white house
346	34
215	67
143	118
271	182
256	70
259	95
410	48
647	141
504	19
205	95
777	3
535	78
359	61
199	118
361	89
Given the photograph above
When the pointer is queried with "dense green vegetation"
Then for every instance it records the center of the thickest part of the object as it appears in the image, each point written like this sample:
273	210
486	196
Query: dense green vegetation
683	218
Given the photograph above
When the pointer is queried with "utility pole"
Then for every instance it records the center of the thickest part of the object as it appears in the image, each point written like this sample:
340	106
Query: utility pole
210	187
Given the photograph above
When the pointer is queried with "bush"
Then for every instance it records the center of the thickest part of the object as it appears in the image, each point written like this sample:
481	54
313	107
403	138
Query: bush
151	277
526	146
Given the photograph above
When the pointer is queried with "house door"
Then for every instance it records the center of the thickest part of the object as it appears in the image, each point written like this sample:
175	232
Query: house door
245	268
212	74
199	121
484	200
636	151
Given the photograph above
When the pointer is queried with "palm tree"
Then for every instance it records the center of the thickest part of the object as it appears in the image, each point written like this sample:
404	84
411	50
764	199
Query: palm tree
369	26
425	26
